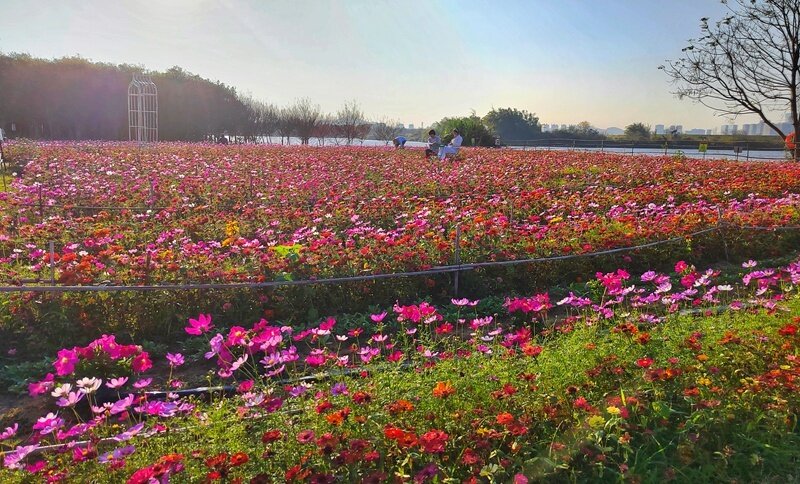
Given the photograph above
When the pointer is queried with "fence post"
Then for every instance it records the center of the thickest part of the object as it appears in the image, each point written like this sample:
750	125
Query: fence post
457	254
146	267
602	145
721	229
573	145
52	264
747	156
666	147
41	204
633	146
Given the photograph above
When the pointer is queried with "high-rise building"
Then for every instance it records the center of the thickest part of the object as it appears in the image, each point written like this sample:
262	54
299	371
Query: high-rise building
659	129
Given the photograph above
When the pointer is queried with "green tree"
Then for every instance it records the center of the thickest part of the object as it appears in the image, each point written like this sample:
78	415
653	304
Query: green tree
637	131
513	124
472	129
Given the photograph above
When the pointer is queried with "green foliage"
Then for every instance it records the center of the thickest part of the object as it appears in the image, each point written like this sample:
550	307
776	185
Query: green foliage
471	128
14	377
513	124
73	98
637	131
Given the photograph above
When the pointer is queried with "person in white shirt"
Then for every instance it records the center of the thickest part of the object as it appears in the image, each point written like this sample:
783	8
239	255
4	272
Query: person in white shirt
453	147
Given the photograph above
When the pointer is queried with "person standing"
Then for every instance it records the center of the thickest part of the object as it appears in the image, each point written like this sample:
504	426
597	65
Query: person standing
434	141
453	147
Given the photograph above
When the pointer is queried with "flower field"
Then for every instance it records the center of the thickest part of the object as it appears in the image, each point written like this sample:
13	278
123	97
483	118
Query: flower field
641	378
119	215
625	366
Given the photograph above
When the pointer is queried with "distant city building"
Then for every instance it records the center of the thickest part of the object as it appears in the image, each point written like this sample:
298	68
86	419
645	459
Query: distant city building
614	131
410	125
659	129
697	131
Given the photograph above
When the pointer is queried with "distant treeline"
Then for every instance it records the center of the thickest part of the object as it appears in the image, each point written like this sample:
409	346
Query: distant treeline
72	98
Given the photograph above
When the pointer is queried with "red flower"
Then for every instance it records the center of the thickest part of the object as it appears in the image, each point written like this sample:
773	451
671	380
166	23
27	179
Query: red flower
504	418
433	442
239	458
362	397
788	330
271	436
645	362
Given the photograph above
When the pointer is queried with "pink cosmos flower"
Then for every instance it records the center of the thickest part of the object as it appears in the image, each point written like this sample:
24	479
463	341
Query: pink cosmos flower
48	424
70	400
114	383
464	302
121	405
175	359
200	325
13	460
9	432
143	383
377	318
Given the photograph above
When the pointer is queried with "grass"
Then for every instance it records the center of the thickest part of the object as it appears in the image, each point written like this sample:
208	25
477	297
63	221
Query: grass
717	403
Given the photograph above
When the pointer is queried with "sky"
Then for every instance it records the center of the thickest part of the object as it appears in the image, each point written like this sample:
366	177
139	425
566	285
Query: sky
413	61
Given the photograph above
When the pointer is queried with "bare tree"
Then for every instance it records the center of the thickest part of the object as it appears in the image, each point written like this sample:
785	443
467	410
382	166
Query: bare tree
263	118
303	118
386	130
746	63
285	124
324	129
349	121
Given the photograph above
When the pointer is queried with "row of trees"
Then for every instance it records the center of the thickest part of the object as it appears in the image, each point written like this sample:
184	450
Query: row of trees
502	125
72	98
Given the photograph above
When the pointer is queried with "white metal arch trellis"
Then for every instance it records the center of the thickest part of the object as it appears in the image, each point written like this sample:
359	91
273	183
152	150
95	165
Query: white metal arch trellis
142	109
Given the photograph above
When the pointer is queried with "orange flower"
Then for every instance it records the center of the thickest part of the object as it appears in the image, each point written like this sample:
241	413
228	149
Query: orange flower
443	389
338	417
400	406
531	350
504	418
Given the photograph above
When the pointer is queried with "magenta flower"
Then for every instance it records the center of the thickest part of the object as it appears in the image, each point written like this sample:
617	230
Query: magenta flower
66	361
305	436
339	389
141	362
200	325
377	318
41	387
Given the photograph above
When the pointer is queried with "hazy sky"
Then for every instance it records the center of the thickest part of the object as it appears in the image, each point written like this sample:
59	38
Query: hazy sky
414	61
